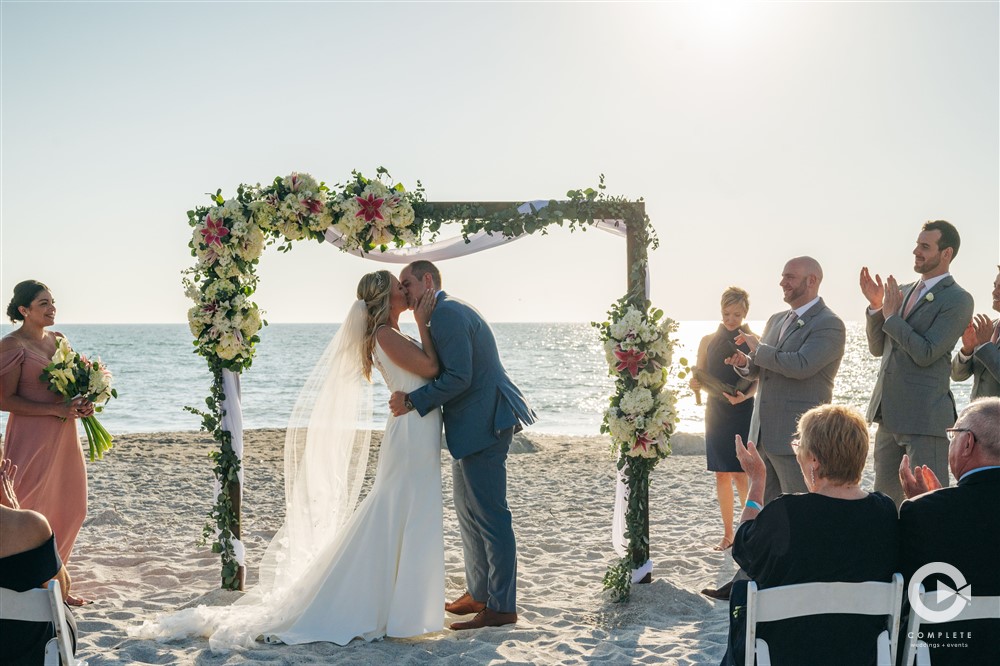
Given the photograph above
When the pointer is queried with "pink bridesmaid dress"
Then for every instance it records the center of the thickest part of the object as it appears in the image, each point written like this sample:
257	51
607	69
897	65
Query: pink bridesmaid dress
51	471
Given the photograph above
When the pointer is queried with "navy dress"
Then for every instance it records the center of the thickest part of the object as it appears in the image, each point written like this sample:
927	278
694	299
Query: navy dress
723	421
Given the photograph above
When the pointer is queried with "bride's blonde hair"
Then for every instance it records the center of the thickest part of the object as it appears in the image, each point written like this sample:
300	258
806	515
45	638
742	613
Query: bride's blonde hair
374	289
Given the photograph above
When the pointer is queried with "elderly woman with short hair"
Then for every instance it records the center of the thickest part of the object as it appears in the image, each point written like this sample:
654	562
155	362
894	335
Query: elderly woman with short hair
836	532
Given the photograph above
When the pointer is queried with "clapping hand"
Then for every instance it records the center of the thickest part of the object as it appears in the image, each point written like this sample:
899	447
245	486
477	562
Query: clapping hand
893	298
751	462
747	338
8	471
921	480
872	289
984	329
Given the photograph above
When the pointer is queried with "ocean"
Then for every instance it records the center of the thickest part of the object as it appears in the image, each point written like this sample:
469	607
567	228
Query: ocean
559	366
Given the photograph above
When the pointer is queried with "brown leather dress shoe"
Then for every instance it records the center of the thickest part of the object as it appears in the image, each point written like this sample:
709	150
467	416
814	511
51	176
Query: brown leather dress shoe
464	605
486	618
721	594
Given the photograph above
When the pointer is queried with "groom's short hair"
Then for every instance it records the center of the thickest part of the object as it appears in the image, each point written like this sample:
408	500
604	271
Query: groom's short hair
420	268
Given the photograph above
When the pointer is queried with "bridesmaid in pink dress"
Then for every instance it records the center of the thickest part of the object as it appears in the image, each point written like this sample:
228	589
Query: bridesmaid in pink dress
41	436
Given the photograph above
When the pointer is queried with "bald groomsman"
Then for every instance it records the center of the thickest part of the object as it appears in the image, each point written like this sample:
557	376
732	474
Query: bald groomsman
796	360
980	353
914	329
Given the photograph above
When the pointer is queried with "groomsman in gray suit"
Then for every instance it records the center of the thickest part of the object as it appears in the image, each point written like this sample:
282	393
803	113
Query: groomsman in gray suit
979	356
914	329
482	410
795	360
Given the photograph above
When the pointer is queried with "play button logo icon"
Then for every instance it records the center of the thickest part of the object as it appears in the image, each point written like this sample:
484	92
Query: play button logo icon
960	593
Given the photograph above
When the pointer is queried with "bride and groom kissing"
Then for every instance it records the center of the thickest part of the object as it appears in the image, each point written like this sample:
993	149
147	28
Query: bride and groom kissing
333	573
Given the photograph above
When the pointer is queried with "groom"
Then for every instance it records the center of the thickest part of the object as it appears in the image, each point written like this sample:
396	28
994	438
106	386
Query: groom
482	410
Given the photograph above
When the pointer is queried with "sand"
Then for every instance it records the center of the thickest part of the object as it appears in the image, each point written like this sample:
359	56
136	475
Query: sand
138	555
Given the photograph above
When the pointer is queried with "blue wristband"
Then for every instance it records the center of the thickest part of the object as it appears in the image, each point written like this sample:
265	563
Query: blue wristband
750	504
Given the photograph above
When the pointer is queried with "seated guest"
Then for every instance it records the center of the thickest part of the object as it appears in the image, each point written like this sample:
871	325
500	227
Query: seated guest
959	526
836	532
28	559
979	356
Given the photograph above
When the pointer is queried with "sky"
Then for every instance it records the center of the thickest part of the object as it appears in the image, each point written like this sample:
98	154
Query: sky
755	132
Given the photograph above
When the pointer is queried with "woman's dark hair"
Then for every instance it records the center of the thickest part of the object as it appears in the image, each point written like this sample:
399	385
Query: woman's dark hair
24	294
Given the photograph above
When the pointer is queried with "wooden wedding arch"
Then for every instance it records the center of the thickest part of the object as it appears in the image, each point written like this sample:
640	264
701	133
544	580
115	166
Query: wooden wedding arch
228	239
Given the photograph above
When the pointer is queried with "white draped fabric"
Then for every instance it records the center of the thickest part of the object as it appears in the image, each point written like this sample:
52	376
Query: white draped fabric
438	251
232	422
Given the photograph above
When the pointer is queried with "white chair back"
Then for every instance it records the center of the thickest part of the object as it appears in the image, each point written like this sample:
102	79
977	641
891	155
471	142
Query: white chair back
42	605
781	603
979	608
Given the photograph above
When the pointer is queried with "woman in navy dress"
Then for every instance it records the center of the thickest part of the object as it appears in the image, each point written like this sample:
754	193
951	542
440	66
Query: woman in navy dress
727	409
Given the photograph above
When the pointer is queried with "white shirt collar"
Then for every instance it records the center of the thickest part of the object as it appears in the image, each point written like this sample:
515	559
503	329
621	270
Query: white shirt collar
929	284
801	310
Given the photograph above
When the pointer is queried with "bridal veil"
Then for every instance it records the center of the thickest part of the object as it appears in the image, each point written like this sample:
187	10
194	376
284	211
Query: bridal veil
326	455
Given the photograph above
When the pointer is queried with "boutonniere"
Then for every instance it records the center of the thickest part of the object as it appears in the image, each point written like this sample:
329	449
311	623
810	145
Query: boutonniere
800	323
929	297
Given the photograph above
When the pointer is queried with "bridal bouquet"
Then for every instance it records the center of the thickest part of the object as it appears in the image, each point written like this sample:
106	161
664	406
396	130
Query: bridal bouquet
73	375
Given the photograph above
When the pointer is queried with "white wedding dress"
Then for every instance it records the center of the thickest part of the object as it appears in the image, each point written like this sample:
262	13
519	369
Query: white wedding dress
385	576
331	574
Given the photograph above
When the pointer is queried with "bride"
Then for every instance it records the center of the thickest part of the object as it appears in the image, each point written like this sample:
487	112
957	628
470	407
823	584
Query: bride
333	573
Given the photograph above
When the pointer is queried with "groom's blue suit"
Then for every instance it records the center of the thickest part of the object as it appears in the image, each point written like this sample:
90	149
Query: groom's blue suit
482	409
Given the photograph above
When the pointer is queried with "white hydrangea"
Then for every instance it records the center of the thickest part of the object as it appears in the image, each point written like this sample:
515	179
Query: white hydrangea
263	213
637	401
622	429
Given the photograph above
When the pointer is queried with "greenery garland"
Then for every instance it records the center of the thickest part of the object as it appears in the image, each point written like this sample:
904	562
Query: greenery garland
370	215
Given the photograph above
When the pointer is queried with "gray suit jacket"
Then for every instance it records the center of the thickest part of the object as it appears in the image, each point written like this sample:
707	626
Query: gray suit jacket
912	394
480	401
984	368
795	374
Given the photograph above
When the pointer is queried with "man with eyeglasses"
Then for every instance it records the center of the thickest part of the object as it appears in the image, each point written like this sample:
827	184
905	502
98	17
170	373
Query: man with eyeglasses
959	526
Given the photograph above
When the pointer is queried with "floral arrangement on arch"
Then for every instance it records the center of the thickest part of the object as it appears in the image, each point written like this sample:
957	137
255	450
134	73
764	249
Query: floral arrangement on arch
639	350
640	419
229	238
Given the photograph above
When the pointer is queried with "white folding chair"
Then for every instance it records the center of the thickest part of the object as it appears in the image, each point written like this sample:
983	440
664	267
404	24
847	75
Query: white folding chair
781	603
42	605
979	608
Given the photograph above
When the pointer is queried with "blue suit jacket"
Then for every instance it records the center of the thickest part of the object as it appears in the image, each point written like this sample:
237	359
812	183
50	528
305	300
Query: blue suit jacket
479	399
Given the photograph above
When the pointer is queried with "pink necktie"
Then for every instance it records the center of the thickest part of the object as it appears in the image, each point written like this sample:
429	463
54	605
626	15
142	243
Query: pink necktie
996	333
914	298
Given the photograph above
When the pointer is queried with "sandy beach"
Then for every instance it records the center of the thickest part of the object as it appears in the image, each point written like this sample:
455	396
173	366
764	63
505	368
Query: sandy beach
138	555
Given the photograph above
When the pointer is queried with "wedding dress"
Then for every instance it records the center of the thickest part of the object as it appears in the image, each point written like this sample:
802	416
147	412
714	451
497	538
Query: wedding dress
331	574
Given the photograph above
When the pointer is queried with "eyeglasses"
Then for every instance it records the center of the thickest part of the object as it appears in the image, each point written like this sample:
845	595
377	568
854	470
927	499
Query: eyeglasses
952	433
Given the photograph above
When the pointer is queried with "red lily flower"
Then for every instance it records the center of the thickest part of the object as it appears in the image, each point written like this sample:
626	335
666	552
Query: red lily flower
371	208
214	231
642	442
632	360
315	206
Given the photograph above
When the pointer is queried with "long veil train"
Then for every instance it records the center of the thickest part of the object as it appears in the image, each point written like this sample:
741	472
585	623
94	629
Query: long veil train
326	454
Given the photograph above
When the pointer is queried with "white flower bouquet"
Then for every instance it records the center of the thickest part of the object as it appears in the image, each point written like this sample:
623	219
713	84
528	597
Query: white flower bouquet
72	376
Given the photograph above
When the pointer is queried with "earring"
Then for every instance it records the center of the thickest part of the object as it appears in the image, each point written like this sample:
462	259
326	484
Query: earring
812	475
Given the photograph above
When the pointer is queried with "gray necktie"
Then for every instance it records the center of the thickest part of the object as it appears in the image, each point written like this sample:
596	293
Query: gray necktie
789	318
